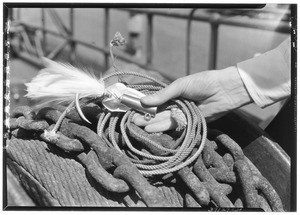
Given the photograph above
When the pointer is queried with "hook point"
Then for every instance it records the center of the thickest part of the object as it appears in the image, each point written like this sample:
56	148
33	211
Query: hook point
77	105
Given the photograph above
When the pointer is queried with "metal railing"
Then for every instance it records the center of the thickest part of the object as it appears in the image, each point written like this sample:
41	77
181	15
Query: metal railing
215	20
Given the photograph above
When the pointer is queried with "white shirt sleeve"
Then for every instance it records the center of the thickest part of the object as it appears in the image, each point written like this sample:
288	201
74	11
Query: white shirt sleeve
268	76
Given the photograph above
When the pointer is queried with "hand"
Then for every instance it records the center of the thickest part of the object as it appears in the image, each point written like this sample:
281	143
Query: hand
215	92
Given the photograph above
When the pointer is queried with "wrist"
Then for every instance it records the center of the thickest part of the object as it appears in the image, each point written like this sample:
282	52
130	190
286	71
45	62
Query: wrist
234	87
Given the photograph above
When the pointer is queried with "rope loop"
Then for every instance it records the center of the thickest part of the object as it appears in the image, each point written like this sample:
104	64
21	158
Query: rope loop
213	171
154	158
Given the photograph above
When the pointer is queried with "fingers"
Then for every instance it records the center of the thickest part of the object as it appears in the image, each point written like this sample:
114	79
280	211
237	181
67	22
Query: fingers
160	123
164	125
172	91
139	119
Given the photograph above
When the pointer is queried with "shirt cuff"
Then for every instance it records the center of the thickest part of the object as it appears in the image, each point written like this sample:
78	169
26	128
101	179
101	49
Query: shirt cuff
268	77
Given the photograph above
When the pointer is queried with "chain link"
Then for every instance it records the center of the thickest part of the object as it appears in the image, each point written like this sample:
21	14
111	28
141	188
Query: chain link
219	176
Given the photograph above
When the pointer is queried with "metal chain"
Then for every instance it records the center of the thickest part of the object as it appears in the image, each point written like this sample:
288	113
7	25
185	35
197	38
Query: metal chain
116	159
212	179
179	157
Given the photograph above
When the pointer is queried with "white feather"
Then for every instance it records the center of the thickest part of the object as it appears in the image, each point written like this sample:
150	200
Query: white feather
60	82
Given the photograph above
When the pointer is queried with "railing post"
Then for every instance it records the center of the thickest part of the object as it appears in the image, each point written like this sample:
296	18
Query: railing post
149	41
106	37
19	18
72	43
10	14
18	14
44	43
188	41
214	24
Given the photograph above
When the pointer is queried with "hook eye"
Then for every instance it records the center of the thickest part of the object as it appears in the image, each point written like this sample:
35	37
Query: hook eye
147	116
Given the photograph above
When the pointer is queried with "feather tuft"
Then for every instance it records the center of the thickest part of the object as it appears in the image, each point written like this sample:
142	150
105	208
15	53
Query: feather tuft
60	82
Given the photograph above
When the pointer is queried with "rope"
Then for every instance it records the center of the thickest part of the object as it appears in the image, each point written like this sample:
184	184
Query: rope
57	175
174	158
50	174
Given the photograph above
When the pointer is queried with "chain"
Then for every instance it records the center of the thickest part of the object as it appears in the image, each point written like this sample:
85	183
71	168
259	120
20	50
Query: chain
119	154
153	158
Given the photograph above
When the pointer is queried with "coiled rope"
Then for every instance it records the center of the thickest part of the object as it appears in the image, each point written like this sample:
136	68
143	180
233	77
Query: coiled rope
187	148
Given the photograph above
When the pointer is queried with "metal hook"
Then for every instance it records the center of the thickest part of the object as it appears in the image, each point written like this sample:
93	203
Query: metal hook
77	105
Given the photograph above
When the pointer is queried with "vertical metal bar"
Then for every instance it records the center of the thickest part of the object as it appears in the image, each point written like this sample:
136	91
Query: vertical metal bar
149	41
188	42
44	43
18	14
10	14
106	37
213	42
72	43
19	18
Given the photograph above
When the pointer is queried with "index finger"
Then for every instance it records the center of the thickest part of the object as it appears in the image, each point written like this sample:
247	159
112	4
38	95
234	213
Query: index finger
139	119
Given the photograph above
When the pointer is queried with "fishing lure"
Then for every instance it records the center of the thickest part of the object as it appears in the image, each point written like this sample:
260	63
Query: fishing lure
63	83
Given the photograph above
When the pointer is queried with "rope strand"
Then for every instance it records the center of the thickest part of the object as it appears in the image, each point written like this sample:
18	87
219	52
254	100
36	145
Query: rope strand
179	156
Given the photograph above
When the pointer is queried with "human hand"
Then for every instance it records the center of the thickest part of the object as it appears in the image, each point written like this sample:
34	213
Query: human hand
215	92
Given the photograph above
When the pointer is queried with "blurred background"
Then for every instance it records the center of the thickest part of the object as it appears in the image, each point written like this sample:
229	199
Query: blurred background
172	41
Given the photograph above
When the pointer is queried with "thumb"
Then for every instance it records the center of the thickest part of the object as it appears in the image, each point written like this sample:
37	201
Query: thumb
172	91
